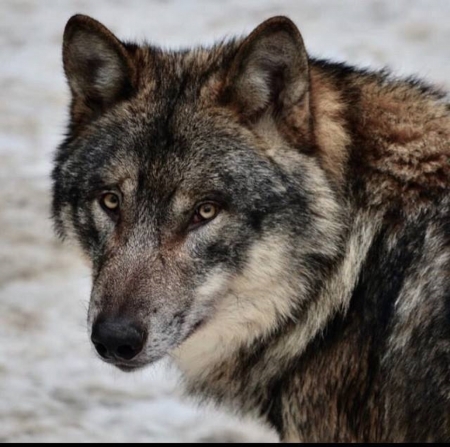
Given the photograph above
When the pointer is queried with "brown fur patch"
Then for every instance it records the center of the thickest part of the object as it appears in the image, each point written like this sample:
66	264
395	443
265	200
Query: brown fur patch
330	130
404	149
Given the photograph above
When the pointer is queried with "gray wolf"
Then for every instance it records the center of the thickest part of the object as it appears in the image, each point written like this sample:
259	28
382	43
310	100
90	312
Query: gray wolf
278	225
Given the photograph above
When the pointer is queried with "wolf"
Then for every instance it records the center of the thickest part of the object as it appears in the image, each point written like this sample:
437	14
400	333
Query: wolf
276	224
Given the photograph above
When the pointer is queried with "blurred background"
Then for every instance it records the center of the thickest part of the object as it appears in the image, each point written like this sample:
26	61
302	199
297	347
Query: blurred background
52	387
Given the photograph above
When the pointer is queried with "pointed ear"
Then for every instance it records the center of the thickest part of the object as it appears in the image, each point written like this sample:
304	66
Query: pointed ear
270	69
97	66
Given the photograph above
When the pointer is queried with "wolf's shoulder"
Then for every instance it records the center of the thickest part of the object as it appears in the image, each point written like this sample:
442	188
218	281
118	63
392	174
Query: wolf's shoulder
399	130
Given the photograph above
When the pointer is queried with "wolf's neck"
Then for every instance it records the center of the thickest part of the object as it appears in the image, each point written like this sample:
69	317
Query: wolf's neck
236	364
359	128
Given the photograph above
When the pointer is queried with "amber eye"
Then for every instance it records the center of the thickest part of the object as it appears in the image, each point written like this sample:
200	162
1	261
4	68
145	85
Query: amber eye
110	202
205	212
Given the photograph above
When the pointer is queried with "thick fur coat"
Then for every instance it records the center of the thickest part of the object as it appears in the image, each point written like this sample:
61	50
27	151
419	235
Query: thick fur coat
277	224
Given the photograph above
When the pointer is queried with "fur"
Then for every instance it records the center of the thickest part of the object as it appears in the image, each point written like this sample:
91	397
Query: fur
318	298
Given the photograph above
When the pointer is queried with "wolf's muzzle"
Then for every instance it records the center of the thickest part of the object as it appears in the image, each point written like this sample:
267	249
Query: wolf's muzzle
117	338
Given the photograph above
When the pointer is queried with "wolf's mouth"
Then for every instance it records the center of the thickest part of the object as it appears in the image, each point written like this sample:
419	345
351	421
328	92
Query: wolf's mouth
134	366
194	329
128	368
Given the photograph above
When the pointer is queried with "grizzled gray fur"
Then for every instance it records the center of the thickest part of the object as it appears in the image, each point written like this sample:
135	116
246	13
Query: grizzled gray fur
278	225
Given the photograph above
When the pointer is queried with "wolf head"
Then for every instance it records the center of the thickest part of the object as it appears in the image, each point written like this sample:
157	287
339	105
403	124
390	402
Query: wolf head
193	182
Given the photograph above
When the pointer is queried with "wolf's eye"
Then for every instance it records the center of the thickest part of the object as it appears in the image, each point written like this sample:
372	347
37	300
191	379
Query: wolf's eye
110	203
205	212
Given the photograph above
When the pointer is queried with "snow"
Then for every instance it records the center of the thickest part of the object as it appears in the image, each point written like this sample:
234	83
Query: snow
52	387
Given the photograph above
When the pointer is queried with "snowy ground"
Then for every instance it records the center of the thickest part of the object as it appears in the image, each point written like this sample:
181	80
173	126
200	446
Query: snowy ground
52	388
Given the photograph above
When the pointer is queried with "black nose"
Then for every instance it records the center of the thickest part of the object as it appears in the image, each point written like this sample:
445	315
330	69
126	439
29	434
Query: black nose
117	338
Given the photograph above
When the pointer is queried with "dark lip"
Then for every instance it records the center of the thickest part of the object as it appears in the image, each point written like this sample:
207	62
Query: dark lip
130	367
127	368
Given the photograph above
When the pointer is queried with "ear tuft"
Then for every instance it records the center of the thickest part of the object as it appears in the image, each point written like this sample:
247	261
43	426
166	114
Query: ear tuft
270	68
97	65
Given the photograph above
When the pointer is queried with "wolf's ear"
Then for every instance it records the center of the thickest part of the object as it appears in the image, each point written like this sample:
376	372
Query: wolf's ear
97	65
270	69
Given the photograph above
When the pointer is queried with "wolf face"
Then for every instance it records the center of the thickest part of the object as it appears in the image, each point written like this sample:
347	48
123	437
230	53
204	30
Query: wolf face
186	177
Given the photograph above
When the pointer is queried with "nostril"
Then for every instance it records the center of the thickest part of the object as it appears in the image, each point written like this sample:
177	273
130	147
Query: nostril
127	352
117	339
101	349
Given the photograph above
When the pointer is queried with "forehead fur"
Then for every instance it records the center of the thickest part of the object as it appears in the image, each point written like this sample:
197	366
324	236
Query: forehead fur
177	119
175	104
167	75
